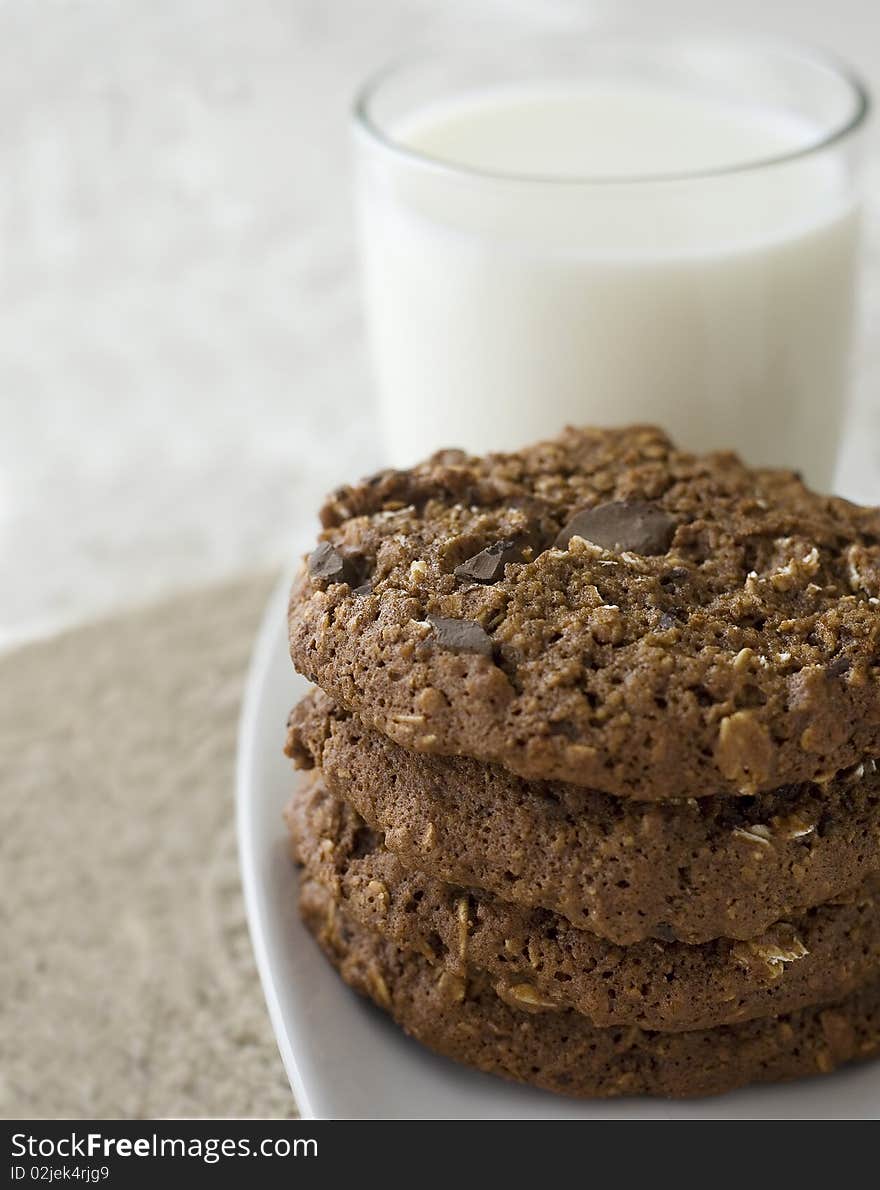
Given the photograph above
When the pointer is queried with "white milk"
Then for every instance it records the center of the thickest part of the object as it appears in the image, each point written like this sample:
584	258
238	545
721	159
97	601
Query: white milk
501	308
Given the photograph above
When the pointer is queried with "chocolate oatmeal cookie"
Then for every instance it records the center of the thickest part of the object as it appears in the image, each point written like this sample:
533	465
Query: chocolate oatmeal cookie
464	1019
538	959
602	609
690	870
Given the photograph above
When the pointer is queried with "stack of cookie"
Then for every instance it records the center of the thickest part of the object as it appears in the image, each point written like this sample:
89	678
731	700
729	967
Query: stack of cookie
594	800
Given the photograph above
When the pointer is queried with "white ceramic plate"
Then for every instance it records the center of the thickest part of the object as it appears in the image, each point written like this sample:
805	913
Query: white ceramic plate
345	1060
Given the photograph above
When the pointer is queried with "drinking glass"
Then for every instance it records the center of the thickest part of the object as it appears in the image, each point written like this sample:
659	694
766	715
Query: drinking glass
706	284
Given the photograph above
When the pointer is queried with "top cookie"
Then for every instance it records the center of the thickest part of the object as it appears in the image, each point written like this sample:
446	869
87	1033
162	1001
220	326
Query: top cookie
602	609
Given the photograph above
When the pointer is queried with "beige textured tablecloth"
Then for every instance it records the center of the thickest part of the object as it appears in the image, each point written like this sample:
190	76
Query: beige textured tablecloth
128	987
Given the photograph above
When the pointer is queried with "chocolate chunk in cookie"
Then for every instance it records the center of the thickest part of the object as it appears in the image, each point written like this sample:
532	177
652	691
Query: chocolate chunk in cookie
460	636
674	578
756	566
328	564
622	526
488	565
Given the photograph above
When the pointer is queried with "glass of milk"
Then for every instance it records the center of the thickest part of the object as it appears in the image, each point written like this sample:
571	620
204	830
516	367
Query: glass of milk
610	231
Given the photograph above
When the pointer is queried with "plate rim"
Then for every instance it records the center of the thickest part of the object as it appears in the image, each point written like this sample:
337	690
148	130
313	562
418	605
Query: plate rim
258	901
246	737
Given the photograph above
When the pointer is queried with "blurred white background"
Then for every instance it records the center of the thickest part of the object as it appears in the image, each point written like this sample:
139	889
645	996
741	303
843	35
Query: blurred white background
182	372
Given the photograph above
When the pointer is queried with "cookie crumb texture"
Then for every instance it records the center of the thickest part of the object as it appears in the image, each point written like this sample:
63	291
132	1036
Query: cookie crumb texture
737	653
465	1019
537	961
690	870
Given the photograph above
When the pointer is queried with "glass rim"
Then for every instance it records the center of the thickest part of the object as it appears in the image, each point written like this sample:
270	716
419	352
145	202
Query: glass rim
804	51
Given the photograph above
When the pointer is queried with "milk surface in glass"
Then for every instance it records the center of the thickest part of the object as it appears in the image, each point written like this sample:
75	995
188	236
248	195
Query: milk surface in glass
547	254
